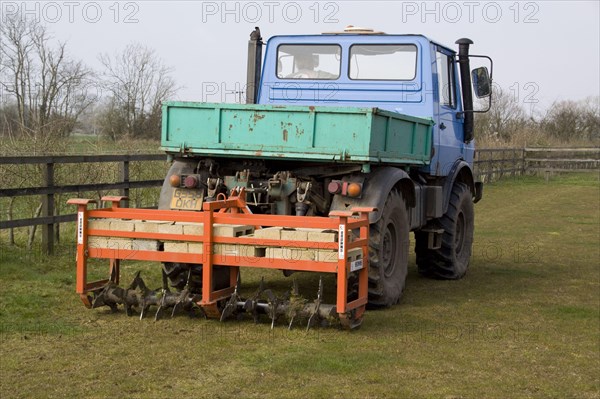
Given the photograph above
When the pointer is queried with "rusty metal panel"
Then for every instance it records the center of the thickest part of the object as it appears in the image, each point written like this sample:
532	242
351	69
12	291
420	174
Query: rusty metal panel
337	134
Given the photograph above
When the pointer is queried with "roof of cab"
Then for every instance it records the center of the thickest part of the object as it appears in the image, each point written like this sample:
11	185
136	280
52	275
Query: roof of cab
362	32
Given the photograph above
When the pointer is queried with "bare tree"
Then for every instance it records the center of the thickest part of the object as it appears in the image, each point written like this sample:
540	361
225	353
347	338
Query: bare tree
505	118
50	90
138	83
573	120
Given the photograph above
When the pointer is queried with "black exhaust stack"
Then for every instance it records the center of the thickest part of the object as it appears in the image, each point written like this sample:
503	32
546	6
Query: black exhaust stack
254	66
465	79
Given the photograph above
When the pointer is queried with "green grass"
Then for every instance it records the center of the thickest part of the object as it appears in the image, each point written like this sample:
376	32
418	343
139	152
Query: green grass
80	144
523	323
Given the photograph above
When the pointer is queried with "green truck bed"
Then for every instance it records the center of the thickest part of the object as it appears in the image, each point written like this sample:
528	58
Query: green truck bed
345	135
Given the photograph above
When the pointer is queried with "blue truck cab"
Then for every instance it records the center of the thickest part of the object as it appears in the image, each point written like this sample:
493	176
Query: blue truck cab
340	120
407	74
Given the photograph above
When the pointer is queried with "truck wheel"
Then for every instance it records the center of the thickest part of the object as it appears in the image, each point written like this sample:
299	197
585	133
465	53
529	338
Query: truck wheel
388	253
452	259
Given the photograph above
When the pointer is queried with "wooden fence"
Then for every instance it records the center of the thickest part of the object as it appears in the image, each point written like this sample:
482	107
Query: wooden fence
493	164
48	189
489	164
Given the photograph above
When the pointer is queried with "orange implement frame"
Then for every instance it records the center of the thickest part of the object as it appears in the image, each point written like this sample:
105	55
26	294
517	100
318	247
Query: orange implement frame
231	211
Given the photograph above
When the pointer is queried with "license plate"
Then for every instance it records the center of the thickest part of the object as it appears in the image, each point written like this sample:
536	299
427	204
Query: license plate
356	265
187	200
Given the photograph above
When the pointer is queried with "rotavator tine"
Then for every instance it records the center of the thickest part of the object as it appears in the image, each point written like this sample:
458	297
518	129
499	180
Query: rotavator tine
310	321
273	303
317	304
138	282
165	280
189	277
270	296
230	307
227	311
294	294
182	295
135	280
162	303
99	299
250	304
232	302
272	299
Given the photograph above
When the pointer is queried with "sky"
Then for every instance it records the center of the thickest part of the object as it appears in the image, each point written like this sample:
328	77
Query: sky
543	51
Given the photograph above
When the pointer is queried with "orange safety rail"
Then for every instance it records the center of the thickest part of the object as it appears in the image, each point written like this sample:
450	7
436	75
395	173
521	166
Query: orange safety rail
232	211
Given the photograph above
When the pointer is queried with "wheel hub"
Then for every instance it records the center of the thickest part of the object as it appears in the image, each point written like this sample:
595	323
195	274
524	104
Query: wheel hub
388	250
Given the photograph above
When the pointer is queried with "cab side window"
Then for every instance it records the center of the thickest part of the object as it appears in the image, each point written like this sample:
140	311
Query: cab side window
446	85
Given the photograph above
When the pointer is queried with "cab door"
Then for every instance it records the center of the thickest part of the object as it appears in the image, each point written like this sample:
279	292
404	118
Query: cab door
450	126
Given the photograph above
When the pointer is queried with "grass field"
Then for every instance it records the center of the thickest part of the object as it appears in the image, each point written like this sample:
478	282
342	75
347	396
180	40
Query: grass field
523	323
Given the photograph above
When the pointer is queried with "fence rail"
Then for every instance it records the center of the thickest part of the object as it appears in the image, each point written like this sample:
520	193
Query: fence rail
562	159
49	189
79	159
492	164
489	165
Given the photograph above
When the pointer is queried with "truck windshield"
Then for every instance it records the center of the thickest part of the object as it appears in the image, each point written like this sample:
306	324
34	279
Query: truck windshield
314	62
383	61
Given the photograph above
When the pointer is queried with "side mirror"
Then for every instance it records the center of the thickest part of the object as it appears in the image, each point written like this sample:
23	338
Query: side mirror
481	82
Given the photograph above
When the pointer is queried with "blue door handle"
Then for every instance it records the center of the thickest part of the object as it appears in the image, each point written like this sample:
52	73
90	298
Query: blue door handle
442	126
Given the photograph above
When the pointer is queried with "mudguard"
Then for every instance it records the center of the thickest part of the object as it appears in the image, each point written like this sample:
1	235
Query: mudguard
376	187
461	172
179	166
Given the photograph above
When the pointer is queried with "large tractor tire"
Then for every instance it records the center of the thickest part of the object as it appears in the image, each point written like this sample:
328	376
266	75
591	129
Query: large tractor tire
451	261
179	273
388	253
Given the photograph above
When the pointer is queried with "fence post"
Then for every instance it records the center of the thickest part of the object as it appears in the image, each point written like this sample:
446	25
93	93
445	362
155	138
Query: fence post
124	171
515	164
48	210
